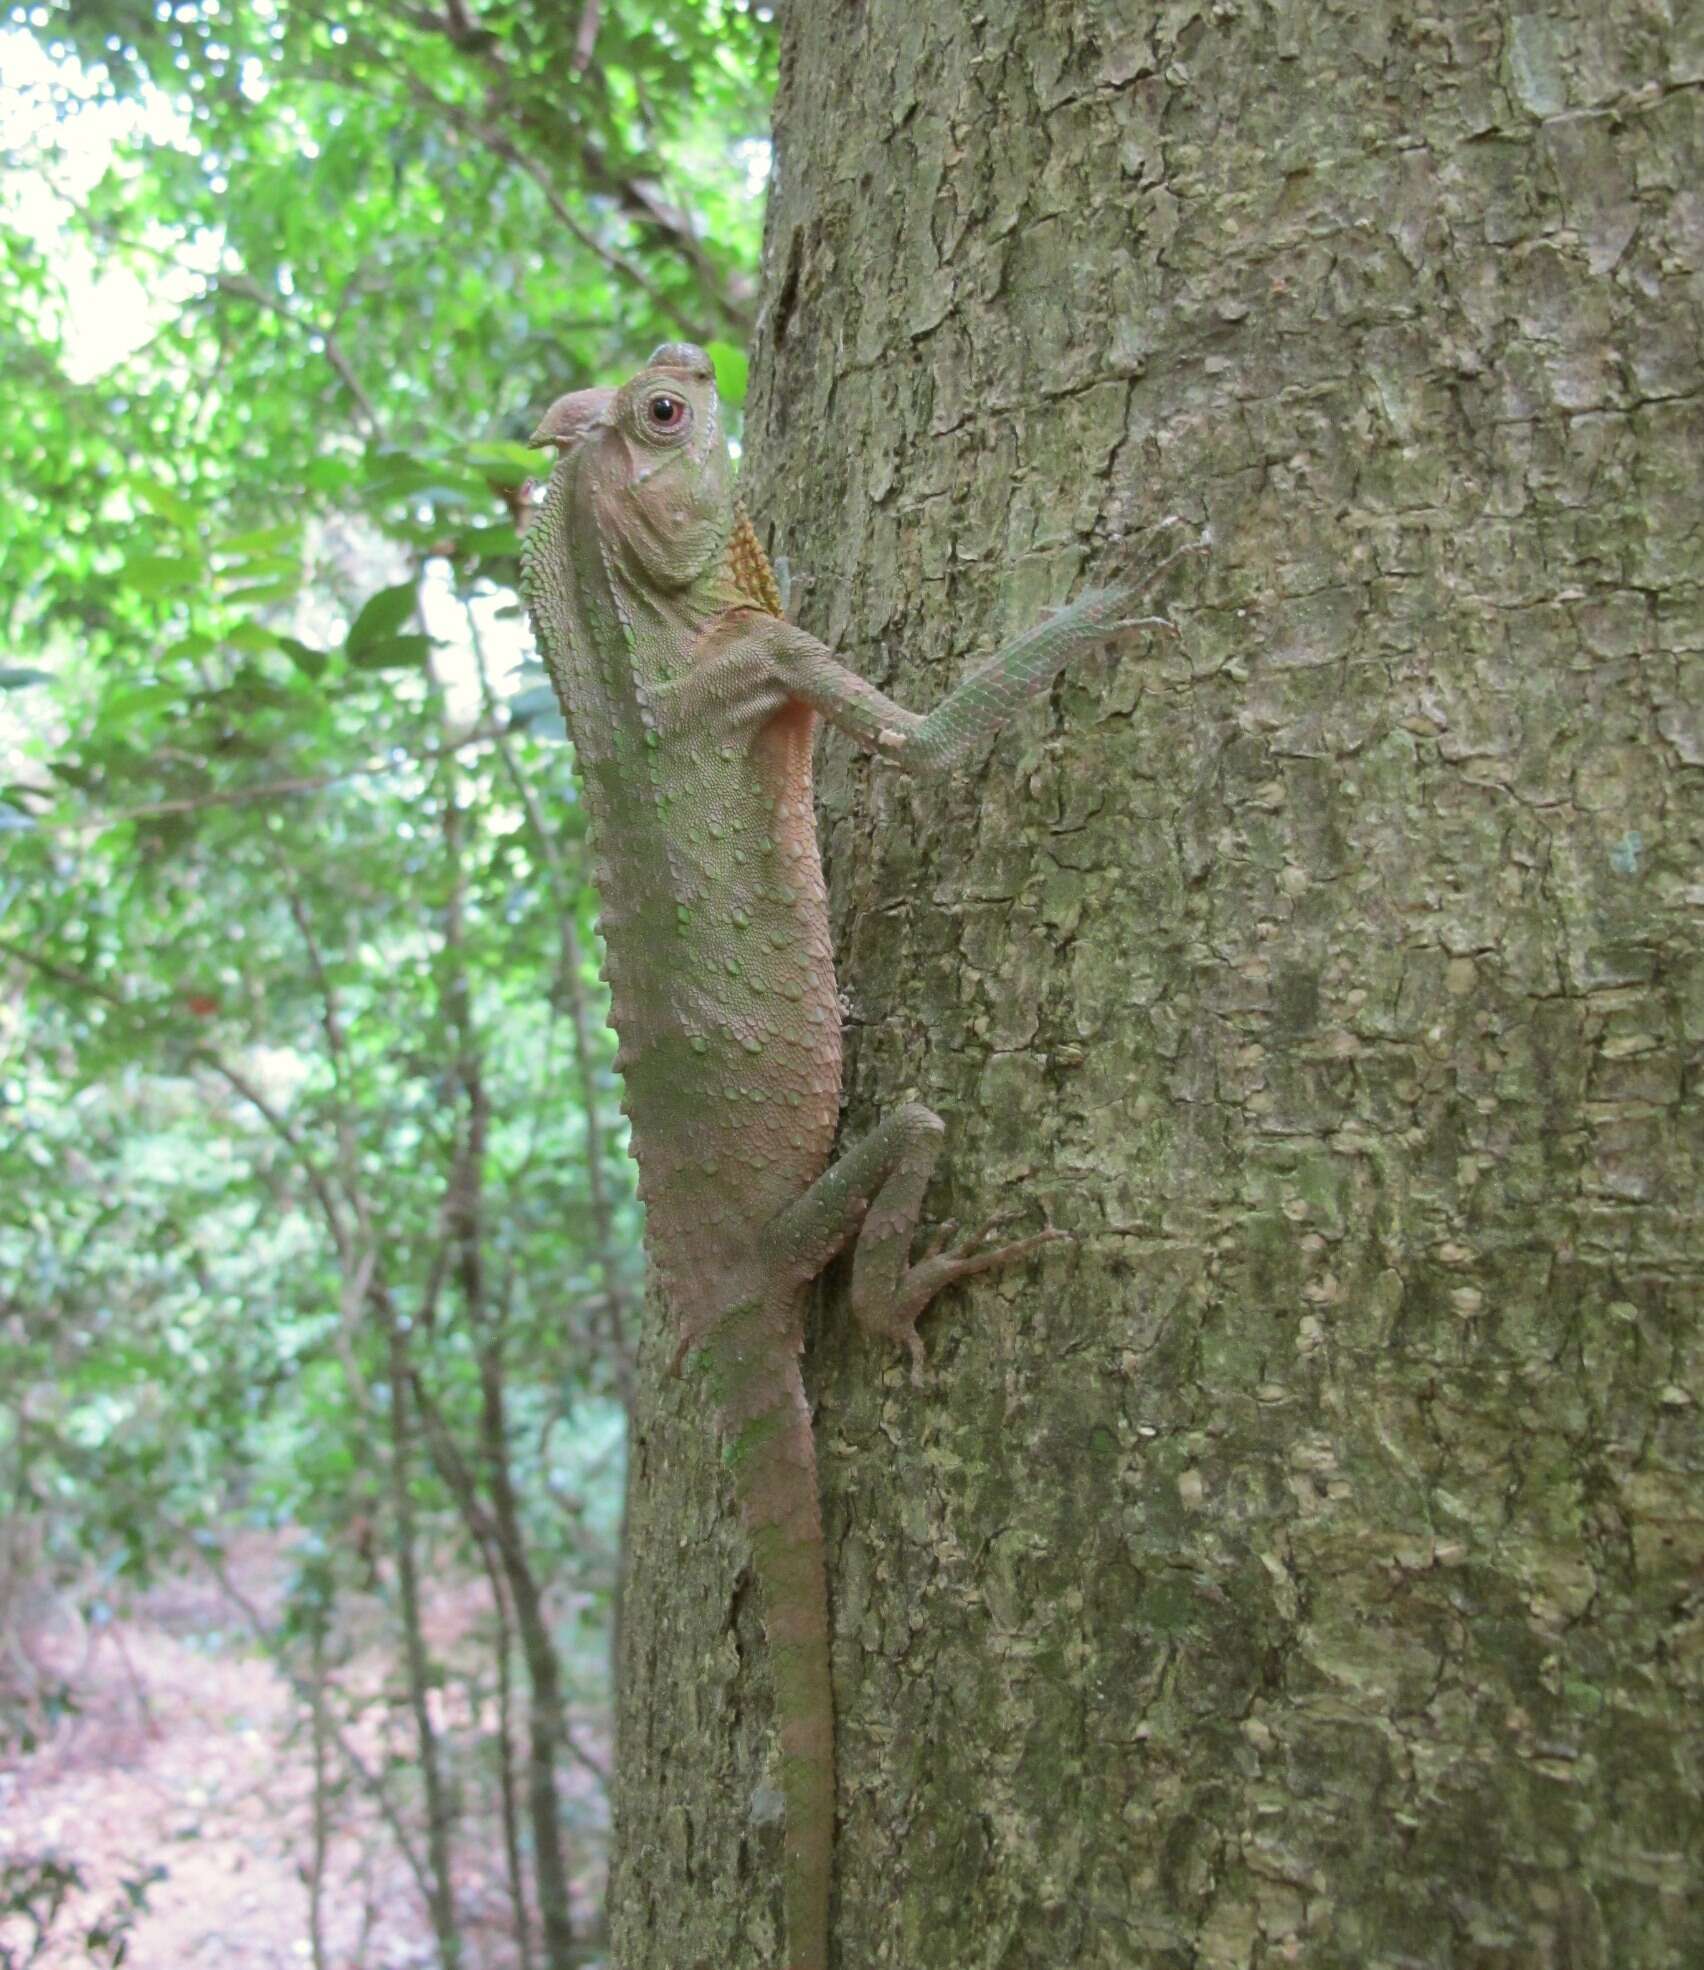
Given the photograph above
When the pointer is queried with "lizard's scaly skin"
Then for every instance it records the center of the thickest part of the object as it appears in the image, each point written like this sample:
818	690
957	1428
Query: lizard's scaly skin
691	705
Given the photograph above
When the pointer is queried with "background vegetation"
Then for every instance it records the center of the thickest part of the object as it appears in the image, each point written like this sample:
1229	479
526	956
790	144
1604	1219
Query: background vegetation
314	1209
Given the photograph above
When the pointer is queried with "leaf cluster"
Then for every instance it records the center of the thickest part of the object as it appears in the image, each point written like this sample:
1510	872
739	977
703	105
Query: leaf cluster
314	1204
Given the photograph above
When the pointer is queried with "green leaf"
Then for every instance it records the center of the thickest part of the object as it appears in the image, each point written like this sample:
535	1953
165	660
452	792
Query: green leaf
508	465
391	475
380	617
328	475
494	543
122	707
262	540
251	638
731	371
15	678
163	500
163	574
251	690
391	653
265	591
309	661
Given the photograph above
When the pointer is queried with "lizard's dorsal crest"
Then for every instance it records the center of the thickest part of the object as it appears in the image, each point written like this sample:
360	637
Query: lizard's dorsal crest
748	565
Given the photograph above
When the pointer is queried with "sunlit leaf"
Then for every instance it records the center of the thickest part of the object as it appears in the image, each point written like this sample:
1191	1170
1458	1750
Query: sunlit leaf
329	475
391	476
259	540
163	574
163	500
731	371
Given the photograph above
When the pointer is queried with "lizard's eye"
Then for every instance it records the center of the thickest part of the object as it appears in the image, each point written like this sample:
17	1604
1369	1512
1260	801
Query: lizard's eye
665	412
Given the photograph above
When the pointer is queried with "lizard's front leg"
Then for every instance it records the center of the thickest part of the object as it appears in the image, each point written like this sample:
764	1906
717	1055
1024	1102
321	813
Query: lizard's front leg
875	1193
939	740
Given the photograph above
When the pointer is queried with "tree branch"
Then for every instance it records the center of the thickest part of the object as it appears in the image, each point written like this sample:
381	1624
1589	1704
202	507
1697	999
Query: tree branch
243	288
632	194
374	1787
267	789
570	966
204	1056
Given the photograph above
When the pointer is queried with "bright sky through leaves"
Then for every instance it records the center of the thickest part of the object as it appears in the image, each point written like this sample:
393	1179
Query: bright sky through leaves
111	309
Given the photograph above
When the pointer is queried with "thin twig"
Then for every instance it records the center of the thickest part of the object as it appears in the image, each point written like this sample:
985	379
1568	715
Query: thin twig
356	1280
370	1783
487	1528
586	37
243	288
203	1056
632	195
569	975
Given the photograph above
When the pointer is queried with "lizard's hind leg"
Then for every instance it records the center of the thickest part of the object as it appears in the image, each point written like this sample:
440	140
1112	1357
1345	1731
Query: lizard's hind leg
874	1192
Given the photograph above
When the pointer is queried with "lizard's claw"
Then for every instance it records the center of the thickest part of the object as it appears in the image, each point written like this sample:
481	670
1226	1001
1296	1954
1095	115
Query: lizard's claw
944	1262
978	1253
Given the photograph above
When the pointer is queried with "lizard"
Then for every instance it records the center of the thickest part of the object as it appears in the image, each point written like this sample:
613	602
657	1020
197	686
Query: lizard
691	702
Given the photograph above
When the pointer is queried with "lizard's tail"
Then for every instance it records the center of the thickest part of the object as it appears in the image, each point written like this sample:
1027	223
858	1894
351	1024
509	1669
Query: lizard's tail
768	1427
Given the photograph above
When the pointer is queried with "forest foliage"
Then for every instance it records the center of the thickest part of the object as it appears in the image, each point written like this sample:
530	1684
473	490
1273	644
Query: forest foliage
314	1206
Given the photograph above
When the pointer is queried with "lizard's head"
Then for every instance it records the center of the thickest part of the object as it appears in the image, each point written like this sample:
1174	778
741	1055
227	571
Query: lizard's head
650	464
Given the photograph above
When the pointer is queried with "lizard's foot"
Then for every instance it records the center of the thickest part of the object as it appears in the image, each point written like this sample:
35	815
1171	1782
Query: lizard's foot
939	1266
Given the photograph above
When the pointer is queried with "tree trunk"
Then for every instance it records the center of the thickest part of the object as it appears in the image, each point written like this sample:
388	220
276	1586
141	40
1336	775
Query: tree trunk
1303	1566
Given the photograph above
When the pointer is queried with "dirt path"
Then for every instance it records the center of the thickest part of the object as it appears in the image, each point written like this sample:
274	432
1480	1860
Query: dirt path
182	1758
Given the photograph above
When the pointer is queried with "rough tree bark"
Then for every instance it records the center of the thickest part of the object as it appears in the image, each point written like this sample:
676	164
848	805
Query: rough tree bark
1304	1567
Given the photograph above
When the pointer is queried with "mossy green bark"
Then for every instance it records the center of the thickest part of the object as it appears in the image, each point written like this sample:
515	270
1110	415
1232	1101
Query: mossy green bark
1304	1567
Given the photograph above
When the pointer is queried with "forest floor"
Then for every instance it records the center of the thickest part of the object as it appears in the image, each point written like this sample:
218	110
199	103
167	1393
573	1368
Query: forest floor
187	1751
